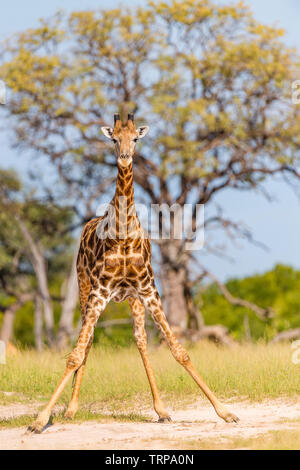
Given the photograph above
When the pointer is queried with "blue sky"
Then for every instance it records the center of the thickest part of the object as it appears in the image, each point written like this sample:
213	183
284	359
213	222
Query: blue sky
276	224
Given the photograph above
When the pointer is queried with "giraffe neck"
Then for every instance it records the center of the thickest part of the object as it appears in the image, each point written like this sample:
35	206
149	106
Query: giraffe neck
124	202
124	186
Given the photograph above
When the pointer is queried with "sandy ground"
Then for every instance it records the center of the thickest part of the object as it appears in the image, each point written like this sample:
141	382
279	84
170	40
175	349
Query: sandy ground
196	422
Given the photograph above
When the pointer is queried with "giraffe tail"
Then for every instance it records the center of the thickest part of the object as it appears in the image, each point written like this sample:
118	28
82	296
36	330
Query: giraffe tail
74	378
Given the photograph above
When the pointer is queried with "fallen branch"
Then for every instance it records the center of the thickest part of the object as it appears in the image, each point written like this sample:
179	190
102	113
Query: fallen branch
263	313
217	333
288	335
118	321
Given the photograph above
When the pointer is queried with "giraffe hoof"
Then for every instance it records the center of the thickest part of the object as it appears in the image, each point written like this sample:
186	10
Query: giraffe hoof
35	428
231	418
69	414
38	426
165	419
228	417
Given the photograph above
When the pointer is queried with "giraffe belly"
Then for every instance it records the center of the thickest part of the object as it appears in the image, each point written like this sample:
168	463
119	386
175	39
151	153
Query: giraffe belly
122	294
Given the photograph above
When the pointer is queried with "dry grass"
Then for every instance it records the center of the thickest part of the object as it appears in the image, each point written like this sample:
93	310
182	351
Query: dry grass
115	378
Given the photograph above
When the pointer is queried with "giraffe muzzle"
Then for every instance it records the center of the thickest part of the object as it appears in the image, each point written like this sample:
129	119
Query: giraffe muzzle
124	156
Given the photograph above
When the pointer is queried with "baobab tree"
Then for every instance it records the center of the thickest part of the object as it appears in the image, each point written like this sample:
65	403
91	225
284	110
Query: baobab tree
213	84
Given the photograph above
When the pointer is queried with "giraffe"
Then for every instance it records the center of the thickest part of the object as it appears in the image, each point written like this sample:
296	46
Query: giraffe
114	263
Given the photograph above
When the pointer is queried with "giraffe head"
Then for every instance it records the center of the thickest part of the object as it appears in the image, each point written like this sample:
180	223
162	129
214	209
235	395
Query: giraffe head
125	138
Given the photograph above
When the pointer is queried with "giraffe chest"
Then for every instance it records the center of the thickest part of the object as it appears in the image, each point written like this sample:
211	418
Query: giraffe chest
123	275
123	263
127	258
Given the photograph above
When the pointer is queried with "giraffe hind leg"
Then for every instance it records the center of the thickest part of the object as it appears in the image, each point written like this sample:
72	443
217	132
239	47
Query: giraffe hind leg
153	303
140	336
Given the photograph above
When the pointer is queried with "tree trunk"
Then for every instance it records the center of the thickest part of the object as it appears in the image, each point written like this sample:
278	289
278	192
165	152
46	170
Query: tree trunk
7	328
179	306
8	323
173	298
195	319
173	282
39	266
66	329
38	324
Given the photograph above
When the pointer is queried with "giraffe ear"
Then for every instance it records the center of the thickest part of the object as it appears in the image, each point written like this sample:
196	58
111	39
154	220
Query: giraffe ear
142	131
108	132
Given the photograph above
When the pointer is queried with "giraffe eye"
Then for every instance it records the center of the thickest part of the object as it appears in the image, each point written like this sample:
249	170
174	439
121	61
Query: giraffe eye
136	139
114	141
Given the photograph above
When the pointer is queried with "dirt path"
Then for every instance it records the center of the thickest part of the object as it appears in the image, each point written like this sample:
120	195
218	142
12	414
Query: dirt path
197	422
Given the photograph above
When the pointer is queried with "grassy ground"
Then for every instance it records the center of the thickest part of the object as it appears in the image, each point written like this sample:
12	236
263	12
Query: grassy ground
115	387
82	416
275	440
116	377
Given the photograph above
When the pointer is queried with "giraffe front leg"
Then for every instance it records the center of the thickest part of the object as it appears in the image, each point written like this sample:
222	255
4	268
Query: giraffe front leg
95	305
73	405
153	304
84	285
140	336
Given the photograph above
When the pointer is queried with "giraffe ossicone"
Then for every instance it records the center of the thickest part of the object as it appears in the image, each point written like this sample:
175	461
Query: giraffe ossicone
118	268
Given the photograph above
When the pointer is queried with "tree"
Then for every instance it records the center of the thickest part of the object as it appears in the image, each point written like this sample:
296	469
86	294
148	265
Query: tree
15	285
33	235
15	277
278	288
212	82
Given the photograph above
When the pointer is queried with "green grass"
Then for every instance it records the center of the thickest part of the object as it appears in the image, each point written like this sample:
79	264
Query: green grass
81	417
13	398
19	421
115	379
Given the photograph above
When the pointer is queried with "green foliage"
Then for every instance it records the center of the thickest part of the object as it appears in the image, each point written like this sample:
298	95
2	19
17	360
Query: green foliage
279	289
24	326
117	335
